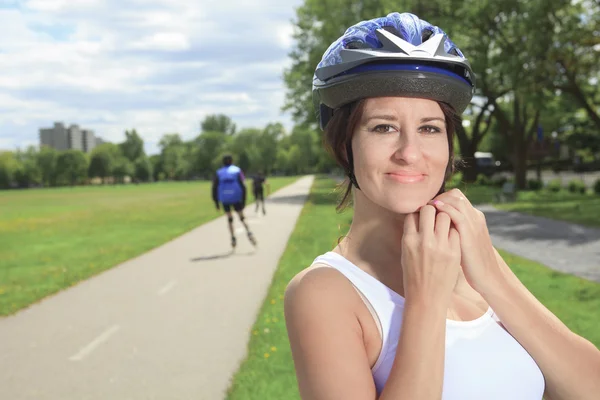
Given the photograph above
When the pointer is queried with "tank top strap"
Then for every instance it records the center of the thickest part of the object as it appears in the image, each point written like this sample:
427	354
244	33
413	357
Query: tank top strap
368	284
384	304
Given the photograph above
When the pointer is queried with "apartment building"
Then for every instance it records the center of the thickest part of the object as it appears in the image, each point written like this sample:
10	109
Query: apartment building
61	137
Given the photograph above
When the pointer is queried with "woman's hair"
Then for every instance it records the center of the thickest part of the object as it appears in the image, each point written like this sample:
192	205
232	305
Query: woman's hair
338	136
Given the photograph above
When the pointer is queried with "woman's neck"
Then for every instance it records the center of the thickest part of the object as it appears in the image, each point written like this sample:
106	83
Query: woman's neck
374	243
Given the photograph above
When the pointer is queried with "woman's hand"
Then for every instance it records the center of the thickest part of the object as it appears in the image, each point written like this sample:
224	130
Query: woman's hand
477	252
430	255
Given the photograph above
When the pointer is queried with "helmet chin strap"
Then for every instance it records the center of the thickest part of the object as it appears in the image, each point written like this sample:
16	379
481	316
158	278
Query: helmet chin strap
350	171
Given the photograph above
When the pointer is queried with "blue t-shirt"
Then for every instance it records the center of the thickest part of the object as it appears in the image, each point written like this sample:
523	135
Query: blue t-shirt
230	181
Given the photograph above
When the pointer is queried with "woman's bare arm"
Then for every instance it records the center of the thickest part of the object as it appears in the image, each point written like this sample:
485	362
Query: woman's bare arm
326	338
328	348
570	363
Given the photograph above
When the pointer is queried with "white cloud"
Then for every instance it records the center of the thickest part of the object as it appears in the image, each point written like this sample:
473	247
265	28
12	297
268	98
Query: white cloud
157	65
167	41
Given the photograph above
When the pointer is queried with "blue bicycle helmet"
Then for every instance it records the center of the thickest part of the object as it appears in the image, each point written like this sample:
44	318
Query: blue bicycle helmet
395	55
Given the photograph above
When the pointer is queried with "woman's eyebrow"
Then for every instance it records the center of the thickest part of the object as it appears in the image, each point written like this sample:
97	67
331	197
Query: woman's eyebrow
387	117
429	119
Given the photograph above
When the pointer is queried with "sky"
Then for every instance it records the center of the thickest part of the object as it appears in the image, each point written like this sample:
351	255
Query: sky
159	66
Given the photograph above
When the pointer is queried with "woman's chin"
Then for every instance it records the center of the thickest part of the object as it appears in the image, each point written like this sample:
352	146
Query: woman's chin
407	206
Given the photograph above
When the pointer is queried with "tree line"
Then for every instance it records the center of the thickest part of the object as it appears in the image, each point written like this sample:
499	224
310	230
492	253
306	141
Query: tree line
536	64
270	150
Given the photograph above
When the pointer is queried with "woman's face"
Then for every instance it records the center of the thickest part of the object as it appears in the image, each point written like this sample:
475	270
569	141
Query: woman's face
400	150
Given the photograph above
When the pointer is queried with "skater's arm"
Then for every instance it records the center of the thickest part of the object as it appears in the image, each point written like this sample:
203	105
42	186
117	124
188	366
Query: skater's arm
243	185
215	188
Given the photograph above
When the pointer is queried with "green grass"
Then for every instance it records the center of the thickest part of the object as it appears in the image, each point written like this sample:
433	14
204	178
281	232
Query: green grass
51	239
581	209
267	373
478	194
574	300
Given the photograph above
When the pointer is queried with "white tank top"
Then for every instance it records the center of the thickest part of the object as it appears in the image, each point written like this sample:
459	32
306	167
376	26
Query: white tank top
482	360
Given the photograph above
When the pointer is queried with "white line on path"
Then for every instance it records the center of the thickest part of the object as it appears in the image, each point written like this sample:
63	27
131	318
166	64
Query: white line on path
95	343
166	289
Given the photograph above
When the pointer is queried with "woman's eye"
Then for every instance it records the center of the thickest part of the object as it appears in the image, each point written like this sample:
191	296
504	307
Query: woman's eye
383	128
430	129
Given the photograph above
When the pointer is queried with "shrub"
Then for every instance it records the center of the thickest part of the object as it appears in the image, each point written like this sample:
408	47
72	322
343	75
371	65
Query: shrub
555	185
577	186
535	184
455	179
483	180
597	187
499	181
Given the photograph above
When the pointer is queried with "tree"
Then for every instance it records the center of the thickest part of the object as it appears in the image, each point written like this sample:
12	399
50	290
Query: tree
218	123
207	146
156	164
101	163
244	161
28	172
172	156
245	146
319	23
303	154
103	160
573	61
520	50
72	167
143	169
267	146
133	146
122	168
8	168
46	161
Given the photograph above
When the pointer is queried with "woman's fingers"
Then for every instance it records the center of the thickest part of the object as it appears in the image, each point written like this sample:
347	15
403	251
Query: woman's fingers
457	217
454	238
410	223
442	225
427	219
456	199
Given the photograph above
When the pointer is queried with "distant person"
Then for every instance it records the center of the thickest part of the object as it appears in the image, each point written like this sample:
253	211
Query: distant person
259	192
229	189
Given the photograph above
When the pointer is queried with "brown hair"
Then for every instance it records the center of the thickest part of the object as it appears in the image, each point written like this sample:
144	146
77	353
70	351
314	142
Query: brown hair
338	138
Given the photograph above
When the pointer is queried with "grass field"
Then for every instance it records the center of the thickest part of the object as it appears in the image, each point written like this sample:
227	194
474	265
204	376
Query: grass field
268	373
51	239
581	209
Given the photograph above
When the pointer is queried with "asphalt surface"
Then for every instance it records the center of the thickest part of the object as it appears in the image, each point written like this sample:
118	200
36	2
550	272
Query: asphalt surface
173	323
559	245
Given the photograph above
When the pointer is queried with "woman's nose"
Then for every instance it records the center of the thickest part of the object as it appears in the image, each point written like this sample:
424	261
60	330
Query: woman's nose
409	150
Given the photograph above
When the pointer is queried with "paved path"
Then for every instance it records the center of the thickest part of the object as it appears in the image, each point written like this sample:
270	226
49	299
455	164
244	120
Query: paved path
559	245
171	324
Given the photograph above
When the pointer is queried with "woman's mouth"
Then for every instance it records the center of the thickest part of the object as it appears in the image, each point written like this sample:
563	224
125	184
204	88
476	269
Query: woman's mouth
406	177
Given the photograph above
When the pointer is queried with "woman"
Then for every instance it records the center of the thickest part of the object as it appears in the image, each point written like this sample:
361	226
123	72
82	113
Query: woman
415	303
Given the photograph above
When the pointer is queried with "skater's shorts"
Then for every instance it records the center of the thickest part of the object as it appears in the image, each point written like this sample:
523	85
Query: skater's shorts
236	206
259	194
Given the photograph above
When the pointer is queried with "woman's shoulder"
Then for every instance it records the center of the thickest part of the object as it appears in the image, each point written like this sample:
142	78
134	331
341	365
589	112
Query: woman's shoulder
318	284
